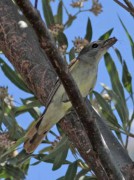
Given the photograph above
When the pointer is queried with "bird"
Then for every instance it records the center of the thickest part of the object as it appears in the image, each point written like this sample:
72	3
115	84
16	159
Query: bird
84	70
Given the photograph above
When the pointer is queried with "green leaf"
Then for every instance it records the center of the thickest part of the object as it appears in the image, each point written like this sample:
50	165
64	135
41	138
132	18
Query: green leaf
106	35
25	108
46	149
127	79
88	35
71	54
118	55
70	21
13	76
114	77
46	158
9	171
129	37
117	88
106	110
20	159
71	171
81	174
55	157
48	15
60	158
35	111
62	39
60	12
115	99
14	146
14	129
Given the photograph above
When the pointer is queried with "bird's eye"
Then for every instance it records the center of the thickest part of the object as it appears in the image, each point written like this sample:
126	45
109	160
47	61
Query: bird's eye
94	45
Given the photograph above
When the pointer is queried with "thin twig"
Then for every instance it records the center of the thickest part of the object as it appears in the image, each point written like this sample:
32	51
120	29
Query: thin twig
129	4
131	11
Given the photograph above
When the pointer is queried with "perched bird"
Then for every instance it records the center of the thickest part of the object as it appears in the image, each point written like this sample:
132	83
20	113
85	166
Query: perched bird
84	71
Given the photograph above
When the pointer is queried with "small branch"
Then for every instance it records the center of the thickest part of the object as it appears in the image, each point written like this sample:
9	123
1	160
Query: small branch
129	4
125	7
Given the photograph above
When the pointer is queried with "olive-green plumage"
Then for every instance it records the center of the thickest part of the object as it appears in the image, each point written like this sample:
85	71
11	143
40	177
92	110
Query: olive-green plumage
84	71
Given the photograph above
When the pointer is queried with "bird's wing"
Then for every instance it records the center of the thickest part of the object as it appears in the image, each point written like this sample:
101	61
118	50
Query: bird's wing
56	86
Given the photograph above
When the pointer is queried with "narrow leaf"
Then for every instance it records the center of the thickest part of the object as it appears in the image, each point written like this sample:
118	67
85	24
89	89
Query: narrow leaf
12	172
129	37
106	110
70	21
71	54
48	15
62	39
106	35
60	158
14	129
60	12
117	88
126	78
64	143
71	171
13	76
26	107
118	55
88	35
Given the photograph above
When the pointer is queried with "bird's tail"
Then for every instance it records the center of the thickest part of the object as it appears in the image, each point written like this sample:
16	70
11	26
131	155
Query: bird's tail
33	139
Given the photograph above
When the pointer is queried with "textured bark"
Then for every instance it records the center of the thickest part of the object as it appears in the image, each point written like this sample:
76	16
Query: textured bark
21	46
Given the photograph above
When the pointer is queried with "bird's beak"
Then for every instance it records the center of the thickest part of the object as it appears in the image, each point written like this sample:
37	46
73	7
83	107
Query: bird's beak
109	42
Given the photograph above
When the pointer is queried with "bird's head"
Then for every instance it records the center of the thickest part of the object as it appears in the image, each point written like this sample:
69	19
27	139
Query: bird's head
95	50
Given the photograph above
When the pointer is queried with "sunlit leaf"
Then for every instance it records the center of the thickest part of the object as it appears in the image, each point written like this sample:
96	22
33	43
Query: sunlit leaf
88	35
106	35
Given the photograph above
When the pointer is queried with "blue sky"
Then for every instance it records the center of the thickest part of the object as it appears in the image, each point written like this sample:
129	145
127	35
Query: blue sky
106	20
